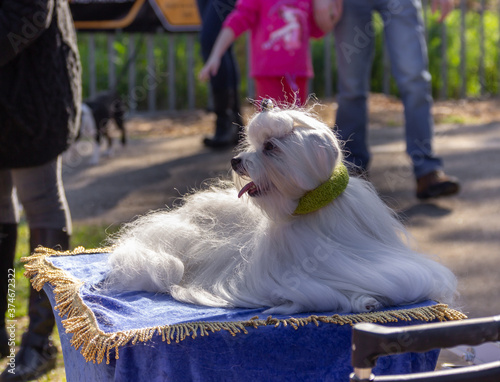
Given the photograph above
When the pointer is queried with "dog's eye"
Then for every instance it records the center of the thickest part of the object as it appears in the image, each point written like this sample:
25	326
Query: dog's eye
269	146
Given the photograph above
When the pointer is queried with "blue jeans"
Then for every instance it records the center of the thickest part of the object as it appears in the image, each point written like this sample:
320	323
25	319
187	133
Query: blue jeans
405	41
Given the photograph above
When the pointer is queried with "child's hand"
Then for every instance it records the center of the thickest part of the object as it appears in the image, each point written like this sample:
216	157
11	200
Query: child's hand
327	13
222	43
337	9
210	69
446	6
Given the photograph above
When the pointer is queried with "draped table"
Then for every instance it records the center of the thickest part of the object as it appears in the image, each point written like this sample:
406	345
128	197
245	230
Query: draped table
141	336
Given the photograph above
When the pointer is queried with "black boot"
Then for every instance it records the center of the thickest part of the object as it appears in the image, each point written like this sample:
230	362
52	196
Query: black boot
8	238
37	354
226	131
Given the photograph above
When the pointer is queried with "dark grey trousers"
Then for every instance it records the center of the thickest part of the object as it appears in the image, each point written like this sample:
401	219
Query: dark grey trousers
40	191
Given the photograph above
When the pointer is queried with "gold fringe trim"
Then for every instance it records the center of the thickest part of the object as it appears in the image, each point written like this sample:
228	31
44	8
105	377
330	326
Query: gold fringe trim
96	344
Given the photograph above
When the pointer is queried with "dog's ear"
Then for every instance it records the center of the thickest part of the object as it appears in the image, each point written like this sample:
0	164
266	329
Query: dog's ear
322	149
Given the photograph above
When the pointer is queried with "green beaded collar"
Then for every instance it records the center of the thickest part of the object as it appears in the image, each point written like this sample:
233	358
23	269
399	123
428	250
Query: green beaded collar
325	193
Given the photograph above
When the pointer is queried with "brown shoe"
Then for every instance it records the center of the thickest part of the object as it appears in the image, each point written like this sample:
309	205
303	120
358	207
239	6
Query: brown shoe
436	184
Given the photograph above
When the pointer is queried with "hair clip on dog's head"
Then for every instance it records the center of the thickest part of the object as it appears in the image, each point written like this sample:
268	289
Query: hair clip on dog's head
266	105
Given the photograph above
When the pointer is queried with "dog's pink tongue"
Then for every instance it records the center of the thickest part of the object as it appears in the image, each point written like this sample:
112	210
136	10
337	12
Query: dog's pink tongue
246	188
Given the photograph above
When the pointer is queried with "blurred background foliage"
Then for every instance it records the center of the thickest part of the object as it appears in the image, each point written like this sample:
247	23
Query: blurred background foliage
434	32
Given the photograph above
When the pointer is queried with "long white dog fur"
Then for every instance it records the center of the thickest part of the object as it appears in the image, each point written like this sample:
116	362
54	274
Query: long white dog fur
352	255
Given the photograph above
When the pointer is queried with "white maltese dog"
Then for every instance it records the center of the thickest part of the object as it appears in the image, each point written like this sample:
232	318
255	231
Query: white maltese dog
303	237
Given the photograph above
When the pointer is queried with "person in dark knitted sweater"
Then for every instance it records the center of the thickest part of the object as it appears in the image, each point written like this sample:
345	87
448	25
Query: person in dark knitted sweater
40	98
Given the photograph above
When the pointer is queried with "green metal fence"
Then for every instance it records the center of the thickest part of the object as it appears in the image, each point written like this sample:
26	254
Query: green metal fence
159	71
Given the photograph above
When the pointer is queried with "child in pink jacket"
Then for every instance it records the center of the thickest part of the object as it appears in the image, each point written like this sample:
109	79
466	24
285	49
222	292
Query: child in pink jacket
280	53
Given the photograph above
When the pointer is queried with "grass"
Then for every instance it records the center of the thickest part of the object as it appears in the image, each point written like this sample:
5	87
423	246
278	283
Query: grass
455	120
90	237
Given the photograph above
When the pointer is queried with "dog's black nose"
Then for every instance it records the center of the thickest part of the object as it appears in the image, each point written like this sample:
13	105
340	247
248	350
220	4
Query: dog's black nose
235	162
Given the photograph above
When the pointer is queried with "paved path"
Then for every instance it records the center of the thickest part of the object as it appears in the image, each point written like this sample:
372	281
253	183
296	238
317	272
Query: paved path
464	231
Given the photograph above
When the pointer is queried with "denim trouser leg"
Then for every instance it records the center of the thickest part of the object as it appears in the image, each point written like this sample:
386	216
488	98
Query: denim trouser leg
405	41
404	35
354	51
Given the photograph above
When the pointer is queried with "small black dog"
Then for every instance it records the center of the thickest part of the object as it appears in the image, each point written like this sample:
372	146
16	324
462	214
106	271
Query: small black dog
97	112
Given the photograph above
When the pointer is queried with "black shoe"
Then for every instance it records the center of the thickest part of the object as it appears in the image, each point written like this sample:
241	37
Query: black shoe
436	184
226	133
228	120
31	363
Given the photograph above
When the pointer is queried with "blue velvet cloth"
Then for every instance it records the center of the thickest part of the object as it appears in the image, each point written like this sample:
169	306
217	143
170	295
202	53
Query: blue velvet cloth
266	353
